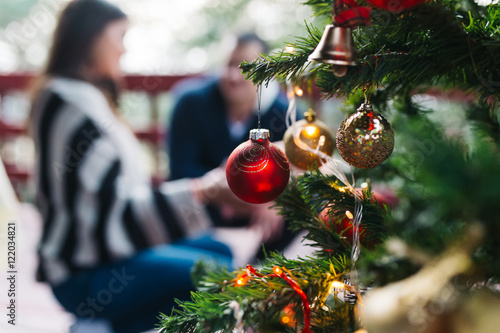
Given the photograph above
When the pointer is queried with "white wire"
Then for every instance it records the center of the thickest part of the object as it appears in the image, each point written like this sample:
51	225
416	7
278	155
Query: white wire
335	167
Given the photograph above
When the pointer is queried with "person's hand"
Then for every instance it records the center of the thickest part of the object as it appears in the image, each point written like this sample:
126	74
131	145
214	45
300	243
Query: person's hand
213	188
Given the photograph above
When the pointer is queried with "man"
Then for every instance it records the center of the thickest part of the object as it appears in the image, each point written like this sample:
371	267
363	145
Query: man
212	117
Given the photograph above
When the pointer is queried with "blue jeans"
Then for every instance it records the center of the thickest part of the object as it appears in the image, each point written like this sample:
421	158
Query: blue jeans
131	293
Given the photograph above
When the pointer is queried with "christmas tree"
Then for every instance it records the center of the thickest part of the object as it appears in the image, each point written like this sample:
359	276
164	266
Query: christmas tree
431	262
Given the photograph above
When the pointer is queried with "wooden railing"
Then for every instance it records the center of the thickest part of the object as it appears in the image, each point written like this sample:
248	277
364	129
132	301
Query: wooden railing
153	86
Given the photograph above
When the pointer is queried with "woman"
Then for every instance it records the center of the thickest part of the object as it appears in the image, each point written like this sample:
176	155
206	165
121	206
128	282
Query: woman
112	246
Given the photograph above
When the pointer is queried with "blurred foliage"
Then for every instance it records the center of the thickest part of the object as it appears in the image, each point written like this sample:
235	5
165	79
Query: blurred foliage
167	36
13	10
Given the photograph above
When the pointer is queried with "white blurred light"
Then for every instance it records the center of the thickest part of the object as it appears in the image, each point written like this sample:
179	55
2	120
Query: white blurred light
270	32
159	32
36	54
9	60
486	2
196	59
262	11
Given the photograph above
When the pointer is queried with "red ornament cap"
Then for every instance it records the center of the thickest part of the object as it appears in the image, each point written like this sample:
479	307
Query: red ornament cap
259	134
257	171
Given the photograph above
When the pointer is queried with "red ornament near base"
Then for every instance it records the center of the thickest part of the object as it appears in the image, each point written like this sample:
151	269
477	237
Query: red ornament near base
346	229
257	171
395	5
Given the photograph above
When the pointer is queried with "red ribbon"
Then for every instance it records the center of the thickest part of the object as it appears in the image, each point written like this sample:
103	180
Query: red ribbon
347	13
305	302
295	286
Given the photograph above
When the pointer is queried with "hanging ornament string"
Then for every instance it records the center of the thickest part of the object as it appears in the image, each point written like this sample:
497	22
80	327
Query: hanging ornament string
348	14
358	215
335	166
242	279
257	171
238	316
291	112
259	99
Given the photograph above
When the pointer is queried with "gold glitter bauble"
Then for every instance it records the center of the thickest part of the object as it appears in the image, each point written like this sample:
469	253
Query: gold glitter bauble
313	133
365	139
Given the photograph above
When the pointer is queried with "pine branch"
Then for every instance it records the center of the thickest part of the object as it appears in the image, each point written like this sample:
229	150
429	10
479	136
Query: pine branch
444	184
426	46
321	7
263	300
314	192
283	64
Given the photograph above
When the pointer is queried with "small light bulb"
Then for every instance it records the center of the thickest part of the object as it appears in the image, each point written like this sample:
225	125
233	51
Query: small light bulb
310	130
336	285
349	215
321	141
289	49
241	281
277	270
285	319
299	92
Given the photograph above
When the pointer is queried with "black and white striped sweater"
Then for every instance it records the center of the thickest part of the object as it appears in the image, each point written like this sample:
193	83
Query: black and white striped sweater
95	198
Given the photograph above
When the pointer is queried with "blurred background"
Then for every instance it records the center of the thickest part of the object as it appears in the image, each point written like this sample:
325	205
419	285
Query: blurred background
167	39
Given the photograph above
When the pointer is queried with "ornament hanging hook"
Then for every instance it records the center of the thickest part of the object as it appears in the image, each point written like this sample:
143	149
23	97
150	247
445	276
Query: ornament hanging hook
259	99
367	91
310	94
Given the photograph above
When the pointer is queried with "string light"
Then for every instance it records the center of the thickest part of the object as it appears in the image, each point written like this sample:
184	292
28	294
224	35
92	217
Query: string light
278	272
343	189
241	280
311	130
349	215
336	285
299	92
288	317
289	49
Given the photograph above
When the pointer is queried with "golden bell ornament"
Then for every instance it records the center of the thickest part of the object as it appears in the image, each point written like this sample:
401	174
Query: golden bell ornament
365	139
312	133
336	47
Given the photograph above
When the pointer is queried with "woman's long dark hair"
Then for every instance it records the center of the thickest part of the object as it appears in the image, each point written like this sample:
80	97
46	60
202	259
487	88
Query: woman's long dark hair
79	25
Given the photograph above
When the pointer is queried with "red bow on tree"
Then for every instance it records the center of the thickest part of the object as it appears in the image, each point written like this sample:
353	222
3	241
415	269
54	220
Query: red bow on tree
347	13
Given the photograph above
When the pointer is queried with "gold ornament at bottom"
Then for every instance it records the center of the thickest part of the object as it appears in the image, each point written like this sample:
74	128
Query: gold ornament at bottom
312	133
365	139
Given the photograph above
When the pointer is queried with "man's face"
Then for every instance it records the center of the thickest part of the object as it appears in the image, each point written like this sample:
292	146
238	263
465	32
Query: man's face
234	87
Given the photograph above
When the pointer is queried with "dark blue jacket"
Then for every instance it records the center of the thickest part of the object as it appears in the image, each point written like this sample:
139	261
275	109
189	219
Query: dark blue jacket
199	138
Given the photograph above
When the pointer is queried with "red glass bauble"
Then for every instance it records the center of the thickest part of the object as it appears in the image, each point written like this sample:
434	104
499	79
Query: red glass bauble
257	171
346	229
395	5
